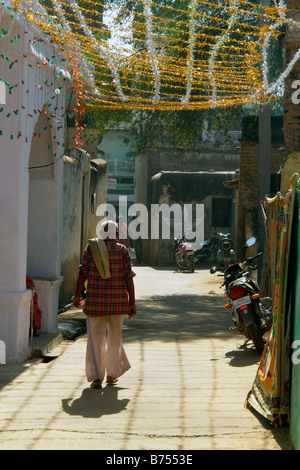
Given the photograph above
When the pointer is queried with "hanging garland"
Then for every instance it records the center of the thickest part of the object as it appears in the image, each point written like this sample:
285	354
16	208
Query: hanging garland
200	55
39	95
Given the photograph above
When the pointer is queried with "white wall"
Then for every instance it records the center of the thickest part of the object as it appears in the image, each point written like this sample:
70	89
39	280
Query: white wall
82	178
76	174
44	205
25	106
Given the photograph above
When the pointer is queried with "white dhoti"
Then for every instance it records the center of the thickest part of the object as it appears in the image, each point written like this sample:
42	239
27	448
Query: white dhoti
105	352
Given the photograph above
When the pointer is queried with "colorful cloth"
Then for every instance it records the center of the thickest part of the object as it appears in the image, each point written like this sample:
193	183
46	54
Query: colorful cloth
100	256
107	296
268	394
37	313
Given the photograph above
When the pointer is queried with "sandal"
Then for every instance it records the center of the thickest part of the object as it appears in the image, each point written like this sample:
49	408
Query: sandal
111	381
96	384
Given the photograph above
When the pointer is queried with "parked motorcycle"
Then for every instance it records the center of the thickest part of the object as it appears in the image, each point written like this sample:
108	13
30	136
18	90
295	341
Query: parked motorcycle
184	255
250	312
219	248
225	254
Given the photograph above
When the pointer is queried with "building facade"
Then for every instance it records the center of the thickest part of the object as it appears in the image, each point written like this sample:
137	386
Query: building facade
37	90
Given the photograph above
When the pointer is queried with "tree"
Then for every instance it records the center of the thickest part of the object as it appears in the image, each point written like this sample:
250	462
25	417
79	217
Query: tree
193	36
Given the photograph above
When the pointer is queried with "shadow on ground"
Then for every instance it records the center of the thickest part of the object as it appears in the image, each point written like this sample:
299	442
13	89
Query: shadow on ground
281	434
184	317
95	403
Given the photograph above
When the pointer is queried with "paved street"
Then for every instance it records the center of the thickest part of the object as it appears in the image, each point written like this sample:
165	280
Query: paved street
186	388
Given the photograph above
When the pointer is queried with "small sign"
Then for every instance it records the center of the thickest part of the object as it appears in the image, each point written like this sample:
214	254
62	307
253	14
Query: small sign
112	183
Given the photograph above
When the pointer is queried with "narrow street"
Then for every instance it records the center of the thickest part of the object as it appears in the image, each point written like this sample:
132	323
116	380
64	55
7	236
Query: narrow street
185	391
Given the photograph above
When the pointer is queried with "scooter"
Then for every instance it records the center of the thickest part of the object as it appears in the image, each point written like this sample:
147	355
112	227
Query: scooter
184	255
250	312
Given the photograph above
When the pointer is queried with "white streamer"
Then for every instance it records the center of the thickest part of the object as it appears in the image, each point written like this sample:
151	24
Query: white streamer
102	51
216	48
151	50
65	23
191	47
272	88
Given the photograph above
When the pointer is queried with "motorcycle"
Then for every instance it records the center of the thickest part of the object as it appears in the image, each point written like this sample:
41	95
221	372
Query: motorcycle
250	312
225	254
219	247
184	255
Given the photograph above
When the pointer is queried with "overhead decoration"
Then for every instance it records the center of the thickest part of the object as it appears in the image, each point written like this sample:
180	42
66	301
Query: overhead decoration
163	55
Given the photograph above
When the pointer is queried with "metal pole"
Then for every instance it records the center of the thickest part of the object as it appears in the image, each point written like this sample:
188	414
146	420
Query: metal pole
264	167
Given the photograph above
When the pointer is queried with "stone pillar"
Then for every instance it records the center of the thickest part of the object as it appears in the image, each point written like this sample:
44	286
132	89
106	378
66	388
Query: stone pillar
14	298
22	111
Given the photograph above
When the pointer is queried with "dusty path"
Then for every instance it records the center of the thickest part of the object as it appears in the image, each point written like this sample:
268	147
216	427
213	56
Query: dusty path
186	389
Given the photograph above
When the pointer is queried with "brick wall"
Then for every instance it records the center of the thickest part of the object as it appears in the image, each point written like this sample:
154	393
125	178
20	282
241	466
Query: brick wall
292	111
248	184
249	159
249	171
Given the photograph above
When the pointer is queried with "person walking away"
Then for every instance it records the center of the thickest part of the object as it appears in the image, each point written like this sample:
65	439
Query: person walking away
123	232
110	295
137	243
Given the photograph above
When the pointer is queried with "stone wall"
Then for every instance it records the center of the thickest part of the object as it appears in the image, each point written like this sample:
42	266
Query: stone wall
204	188
209	156
82	178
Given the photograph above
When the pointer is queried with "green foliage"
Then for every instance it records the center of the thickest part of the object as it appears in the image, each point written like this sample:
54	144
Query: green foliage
172	129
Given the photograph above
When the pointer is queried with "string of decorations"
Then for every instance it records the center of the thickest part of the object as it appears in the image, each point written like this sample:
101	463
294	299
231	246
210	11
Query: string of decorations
41	83
195	54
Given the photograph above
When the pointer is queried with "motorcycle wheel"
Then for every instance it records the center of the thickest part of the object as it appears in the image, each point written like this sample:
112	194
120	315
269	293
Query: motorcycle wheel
184	264
192	265
256	338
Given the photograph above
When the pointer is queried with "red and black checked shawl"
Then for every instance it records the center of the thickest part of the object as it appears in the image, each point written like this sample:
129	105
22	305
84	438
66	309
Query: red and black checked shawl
107	296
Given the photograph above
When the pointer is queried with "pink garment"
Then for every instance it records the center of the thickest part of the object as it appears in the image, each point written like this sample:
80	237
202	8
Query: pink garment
105	356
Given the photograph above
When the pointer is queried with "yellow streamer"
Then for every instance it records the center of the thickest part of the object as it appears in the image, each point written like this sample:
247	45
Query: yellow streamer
122	67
